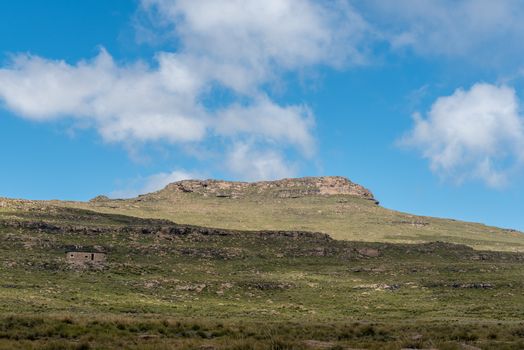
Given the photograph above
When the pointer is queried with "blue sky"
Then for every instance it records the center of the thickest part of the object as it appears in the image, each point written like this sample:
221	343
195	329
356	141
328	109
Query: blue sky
420	102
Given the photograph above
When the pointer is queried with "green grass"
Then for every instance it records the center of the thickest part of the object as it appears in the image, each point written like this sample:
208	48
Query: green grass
70	332
246	291
343	217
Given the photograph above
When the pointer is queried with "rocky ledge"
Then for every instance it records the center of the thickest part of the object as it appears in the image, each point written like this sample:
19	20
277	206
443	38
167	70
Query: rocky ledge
286	188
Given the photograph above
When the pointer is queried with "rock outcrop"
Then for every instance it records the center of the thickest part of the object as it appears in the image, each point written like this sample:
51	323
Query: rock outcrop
286	188
99	199
156	227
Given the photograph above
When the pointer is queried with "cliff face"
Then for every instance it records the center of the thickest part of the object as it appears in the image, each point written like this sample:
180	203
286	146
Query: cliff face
286	188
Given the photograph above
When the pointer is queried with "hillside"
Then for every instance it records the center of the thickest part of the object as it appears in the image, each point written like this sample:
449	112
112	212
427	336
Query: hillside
166	285
333	205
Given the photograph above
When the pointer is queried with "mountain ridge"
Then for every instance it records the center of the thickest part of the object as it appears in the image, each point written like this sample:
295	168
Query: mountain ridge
331	204
283	188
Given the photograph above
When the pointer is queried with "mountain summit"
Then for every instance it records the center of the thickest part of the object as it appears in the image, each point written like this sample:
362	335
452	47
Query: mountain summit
285	188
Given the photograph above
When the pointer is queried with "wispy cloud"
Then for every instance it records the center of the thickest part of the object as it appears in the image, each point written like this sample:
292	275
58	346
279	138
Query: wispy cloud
246	160
483	31
152	183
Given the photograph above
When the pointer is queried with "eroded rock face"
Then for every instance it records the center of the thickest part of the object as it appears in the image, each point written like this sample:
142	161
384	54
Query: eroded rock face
286	188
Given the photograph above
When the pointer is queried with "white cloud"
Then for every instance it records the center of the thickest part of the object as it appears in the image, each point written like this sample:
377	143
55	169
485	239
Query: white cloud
159	181
241	45
244	42
270	121
130	103
476	133
482	30
152	183
252	164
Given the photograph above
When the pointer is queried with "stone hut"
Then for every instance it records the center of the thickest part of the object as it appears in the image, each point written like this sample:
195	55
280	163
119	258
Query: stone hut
86	257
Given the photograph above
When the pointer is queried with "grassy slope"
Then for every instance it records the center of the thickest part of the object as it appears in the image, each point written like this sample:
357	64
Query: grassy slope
343	217
246	292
